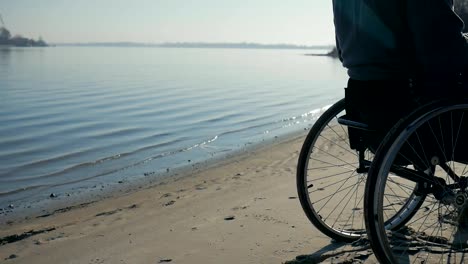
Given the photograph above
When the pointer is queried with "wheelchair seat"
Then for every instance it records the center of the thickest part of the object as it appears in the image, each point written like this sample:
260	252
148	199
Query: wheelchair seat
372	108
372	111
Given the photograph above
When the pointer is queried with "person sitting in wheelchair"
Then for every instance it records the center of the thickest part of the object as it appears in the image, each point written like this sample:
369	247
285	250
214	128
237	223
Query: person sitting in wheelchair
399	55
407	62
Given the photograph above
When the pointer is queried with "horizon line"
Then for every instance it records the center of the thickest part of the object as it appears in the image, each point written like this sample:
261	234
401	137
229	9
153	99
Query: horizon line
195	44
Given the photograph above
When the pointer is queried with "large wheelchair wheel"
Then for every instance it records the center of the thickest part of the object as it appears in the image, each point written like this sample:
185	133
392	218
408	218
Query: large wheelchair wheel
330	190
426	152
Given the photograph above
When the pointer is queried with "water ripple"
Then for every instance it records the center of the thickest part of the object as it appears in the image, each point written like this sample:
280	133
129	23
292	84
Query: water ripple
116	112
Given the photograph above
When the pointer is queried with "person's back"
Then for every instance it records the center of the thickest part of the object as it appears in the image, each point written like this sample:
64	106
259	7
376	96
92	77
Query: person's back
372	38
399	55
381	40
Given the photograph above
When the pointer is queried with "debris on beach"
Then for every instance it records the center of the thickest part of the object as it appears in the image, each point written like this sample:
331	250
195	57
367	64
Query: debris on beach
229	218
109	212
171	202
66	209
12	256
239	208
16	237
165	260
237	176
166	195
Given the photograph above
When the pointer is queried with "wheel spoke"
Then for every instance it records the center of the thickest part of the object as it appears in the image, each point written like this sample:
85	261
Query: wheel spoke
434	231
329	186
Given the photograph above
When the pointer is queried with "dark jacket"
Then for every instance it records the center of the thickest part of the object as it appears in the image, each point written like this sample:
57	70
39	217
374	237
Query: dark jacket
392	39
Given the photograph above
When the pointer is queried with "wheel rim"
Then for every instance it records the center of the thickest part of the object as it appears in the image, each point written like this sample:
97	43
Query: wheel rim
433	235
344	219
334	190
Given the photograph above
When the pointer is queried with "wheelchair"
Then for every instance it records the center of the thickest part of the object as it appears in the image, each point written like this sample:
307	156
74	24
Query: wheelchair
403	186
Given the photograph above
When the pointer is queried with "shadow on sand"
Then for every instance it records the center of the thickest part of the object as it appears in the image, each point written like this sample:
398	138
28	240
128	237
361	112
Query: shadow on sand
337	252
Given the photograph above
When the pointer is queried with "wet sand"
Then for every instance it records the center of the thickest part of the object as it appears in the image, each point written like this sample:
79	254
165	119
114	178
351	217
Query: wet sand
243	209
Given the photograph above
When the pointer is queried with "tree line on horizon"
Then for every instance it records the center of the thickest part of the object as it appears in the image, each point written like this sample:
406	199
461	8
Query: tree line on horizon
19	41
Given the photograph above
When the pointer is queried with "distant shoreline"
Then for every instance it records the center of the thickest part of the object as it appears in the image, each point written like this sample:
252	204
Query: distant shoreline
333	53
6	40
196	45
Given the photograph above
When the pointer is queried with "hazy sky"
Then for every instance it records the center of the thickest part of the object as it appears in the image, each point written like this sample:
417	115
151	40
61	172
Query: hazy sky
305	22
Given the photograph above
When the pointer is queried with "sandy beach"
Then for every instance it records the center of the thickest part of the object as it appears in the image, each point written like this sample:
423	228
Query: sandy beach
243	209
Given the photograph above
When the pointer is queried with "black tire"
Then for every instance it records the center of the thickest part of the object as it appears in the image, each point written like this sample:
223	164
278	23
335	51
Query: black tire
423	144
329	189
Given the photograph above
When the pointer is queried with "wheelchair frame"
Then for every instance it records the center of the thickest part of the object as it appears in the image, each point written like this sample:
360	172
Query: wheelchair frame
433	182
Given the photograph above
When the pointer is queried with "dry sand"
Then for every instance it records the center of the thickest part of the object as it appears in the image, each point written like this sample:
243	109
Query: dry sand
242	210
